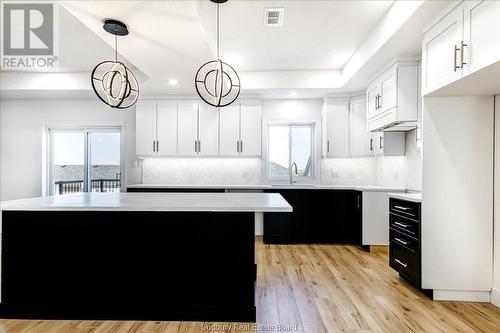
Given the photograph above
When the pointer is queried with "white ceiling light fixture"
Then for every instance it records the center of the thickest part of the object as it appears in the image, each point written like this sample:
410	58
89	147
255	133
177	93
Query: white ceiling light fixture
216	82
273	17
112	81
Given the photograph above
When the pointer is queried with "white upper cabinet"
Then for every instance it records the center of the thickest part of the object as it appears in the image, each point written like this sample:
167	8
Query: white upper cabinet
392	98
250	128
335	124
187	138
240	129
389	143
441	52
192	128
145	122
208	126
461	43
166	126
481	34
361	141
229	139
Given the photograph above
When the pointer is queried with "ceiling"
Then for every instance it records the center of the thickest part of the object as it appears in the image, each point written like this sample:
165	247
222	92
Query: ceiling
169	40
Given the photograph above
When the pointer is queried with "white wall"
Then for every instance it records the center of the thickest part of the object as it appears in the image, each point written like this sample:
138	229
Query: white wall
21	131
495	294
457	215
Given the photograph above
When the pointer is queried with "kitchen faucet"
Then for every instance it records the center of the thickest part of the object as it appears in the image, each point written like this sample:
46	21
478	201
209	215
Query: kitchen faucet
291	172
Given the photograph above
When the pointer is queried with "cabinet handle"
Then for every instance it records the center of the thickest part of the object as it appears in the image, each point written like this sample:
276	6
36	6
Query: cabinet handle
199	146
381	139
379	101
402	208
376	102
154	147
455	49
328	146
241	146
462	54
371	143
401	263
237	146
401	241
402	225
195	146
157	146
359	201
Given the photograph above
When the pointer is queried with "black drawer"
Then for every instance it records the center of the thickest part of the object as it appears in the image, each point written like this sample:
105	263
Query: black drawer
405	262
404	225
405	208
403	240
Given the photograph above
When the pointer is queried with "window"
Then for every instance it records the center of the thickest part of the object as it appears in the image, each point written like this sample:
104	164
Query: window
288	144
84	160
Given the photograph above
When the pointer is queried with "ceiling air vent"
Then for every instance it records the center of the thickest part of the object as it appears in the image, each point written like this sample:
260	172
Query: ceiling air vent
273	17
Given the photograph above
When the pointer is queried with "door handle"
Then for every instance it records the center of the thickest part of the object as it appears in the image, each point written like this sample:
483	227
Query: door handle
462	54
402	225
455	49
401	263
401	241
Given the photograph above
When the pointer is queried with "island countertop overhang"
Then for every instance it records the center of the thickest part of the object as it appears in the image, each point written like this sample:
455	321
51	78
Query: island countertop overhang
159	202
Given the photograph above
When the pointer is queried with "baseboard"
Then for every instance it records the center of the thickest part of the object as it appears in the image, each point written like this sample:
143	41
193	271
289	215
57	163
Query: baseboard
495	297
461	295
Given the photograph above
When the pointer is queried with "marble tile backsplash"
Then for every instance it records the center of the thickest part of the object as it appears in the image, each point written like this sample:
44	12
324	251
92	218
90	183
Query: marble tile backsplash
348	171
207	171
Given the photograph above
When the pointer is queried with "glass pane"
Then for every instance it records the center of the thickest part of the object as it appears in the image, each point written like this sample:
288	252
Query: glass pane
104	153
68	173
301	149
278	151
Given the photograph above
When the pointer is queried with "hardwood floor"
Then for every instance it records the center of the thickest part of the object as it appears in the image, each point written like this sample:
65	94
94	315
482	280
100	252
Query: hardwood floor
318	288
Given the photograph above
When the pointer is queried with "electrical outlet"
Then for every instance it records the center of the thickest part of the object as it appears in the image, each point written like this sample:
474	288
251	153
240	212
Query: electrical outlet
334	174
396	175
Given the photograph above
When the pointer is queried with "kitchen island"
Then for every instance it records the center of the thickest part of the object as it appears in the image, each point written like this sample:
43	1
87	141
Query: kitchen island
132	256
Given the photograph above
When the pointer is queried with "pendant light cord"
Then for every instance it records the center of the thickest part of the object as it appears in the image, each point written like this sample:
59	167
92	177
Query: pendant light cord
116	46
218	33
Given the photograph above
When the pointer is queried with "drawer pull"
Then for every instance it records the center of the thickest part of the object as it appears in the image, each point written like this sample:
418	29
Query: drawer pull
401	241
402	208
401	263
402	224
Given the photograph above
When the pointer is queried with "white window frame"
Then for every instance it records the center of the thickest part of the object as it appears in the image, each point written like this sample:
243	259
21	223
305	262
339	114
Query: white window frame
298	179
48	152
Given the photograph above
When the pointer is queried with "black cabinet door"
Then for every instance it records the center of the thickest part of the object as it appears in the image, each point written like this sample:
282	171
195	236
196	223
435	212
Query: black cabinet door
319	216
332	216
283	228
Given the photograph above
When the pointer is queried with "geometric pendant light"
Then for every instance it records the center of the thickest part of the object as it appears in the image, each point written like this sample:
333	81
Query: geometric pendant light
112	81
216	82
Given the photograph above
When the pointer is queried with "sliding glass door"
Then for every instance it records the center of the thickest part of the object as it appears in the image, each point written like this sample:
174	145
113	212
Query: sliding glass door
84	160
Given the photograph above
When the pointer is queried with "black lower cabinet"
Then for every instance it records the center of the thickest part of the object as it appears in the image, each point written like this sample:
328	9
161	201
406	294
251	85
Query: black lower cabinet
405	241
319	216
108	265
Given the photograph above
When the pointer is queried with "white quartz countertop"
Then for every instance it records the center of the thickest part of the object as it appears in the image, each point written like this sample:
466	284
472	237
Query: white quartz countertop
366	188
204	202
413	196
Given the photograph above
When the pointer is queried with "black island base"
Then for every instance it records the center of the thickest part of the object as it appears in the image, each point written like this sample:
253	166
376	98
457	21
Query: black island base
128	265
